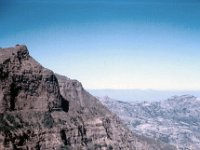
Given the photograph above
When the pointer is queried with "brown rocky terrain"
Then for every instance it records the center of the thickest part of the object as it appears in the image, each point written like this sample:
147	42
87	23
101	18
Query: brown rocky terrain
40	110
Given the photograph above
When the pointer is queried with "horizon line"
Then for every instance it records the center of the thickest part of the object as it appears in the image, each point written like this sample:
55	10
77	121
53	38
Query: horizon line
147	89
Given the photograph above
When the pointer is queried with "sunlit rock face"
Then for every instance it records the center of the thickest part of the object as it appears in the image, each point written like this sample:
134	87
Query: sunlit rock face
40	110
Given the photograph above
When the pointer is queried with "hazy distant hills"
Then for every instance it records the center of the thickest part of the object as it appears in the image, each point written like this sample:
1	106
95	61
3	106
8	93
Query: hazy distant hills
175	120
141	95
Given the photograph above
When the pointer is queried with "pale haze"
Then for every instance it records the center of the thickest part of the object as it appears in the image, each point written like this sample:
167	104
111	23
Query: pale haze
110	44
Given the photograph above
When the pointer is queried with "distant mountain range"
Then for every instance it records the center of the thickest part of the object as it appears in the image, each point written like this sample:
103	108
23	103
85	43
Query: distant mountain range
175	121
40	110
141	95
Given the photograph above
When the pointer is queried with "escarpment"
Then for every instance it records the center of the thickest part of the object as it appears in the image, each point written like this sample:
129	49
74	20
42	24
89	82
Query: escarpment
40	110
25	84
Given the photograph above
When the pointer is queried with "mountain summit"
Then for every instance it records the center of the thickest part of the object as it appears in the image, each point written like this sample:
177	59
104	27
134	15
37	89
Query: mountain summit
26	85
40	110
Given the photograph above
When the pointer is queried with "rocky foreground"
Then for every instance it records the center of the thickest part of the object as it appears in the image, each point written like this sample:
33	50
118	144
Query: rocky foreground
40	110
174	121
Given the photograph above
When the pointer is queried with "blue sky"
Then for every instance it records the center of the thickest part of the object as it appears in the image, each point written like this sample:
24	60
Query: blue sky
121	44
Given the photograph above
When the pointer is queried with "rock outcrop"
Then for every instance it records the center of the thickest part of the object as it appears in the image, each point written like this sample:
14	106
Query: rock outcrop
40	110
25	84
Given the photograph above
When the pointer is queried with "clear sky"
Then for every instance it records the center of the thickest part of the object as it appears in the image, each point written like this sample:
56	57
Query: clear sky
120	44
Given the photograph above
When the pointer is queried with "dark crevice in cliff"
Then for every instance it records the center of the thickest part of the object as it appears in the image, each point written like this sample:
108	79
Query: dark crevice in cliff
64	104
13	94
66	141
107	126
3	72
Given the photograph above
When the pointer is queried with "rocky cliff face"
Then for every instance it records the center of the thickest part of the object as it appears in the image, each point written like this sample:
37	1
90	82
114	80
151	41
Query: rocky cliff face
175	121
25	84
41	110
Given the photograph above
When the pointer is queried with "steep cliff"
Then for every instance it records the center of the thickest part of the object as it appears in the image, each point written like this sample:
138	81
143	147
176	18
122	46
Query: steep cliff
41	110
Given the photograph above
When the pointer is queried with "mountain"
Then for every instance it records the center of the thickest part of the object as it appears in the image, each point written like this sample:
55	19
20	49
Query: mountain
42	110
141	95
174	121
